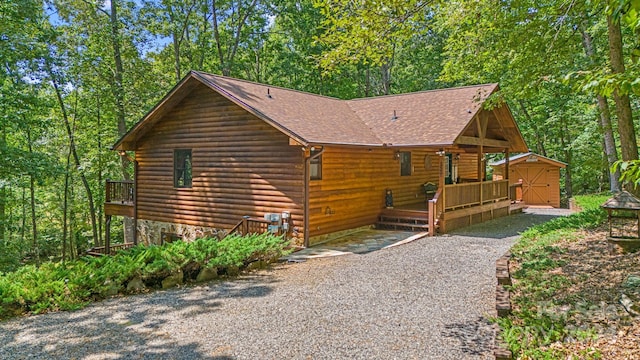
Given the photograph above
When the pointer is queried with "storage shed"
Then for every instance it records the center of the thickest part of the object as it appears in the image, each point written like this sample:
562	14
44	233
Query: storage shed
539	175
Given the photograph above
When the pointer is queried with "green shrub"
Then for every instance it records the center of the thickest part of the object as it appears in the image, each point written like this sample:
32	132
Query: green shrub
72	285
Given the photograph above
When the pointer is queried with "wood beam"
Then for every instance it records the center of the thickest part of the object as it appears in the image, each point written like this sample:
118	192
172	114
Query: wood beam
469	140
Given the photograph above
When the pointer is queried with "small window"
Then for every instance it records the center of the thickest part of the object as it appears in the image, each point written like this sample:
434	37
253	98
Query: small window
315	166
405	163
182	168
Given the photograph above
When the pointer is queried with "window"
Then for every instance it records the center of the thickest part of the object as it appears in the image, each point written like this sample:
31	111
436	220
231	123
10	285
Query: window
315	166
405	163
182	168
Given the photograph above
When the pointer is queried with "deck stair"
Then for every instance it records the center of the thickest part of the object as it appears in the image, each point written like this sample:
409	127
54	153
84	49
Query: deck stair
401	219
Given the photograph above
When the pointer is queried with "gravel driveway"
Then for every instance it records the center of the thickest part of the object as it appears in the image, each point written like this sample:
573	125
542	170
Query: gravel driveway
428	299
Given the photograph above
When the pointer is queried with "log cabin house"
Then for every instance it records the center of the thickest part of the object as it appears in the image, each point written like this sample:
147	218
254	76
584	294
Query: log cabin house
218	152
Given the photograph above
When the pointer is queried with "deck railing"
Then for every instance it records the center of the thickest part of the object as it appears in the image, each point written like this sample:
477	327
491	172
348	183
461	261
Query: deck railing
251	225
112	249
476	193
119	191
435	207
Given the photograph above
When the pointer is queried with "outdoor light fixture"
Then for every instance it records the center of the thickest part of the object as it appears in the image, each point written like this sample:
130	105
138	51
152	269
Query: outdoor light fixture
440	152
122	153
396	155
457	156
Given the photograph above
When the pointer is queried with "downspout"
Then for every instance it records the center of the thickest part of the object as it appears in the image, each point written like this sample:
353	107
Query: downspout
307	180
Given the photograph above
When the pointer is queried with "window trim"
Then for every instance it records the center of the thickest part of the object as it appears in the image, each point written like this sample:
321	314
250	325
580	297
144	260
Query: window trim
317	161
179	172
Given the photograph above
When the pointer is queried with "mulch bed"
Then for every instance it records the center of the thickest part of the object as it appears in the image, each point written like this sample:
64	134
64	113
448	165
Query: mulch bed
600	274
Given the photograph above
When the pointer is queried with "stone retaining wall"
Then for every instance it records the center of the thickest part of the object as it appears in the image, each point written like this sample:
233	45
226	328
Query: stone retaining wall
150	232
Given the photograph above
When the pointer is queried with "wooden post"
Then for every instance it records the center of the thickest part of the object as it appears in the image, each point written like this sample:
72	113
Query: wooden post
506	165
107	234
432	217
135	202
441	182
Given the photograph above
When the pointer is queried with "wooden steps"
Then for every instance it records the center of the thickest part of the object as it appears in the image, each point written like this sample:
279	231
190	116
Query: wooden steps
401	219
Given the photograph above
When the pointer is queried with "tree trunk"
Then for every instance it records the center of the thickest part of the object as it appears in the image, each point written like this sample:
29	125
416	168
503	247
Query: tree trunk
626	129
65	205
539	142
72	144
604	120
32	192
117	87
3	193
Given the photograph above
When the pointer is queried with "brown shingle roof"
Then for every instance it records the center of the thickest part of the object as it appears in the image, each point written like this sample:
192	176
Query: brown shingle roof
425	118
623	201
433	117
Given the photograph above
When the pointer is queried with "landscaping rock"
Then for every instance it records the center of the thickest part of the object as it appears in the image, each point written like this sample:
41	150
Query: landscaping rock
207	274
135	285
257	265
232	270
632	282
112	288
173	280
631	306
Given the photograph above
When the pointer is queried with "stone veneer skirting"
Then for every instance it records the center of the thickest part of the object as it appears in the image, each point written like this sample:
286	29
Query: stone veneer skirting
150	232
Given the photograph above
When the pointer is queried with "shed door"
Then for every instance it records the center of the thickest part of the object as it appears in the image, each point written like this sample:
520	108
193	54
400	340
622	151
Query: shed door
535	183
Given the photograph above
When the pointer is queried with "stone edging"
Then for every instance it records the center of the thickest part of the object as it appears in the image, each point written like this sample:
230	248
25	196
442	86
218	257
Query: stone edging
503	303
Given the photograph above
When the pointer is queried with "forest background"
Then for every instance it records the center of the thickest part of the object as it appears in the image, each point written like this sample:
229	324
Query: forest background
76	74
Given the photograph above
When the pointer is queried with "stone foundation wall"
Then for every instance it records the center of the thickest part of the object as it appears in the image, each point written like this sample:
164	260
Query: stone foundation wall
150	232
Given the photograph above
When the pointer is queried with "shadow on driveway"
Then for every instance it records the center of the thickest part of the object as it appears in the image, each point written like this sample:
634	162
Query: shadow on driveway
513	225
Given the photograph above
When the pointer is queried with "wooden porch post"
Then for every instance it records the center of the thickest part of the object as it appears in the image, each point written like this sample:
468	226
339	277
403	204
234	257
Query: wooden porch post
441	182
480	169
135	202
506	165
107	234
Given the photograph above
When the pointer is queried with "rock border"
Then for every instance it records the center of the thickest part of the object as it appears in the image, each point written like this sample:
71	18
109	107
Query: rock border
503	303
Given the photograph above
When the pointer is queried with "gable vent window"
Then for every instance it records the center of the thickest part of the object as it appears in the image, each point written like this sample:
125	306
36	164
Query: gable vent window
315	166
405	163
182	168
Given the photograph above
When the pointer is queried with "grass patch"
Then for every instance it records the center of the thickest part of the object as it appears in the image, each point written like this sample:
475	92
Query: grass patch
539	319
74	284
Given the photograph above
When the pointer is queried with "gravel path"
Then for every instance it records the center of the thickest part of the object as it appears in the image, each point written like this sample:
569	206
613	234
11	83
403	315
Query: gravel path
428	299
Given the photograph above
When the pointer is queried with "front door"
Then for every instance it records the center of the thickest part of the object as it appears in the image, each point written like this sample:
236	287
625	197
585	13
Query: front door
448	169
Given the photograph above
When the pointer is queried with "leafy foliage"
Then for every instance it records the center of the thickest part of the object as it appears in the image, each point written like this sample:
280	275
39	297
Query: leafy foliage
73	284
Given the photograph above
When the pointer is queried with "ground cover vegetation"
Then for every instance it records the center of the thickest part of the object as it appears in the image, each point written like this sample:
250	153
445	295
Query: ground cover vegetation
74	284
570	289
76	74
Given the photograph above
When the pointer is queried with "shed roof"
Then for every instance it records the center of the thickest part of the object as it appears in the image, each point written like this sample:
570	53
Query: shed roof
427	118
623	200
529	157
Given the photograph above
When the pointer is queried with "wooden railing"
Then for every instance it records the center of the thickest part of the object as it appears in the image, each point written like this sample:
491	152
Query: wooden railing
435	207
119	191
515	192
251	225
113	248
473	194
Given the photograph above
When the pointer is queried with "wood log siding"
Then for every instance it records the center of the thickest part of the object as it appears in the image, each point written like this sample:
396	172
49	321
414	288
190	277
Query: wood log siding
241	166
355	179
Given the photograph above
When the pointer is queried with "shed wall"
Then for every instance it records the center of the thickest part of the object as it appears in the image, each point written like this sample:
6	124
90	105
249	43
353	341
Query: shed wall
540	182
